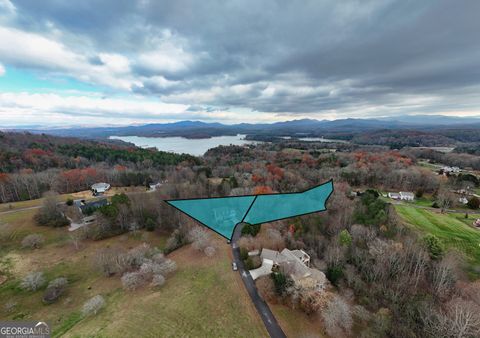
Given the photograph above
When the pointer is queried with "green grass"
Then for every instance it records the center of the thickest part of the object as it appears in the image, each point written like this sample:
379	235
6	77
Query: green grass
71	320
453	229
423	201
195	302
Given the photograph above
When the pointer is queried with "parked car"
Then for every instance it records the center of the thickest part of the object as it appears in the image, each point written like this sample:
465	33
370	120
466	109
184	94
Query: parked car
234	266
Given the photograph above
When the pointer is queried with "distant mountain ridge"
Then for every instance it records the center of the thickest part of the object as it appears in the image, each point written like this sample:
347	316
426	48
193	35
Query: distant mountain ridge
344	128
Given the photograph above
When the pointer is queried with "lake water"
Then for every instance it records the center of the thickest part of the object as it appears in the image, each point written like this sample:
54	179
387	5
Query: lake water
196	147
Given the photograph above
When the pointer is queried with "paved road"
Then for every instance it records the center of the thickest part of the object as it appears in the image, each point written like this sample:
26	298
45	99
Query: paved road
267	316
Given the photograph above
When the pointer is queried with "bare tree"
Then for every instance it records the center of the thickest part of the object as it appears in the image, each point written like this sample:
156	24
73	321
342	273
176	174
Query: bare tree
199	238
337	317
133	280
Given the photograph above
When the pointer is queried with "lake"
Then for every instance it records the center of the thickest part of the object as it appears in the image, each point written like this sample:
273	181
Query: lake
196	147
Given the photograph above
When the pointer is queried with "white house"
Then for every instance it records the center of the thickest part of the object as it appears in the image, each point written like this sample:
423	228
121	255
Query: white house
293	262
100	188
402	195
463	200
450	170
407	196
394	195
154	186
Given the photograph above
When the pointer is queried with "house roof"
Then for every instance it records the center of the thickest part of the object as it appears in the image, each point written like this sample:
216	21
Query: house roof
407	193
94	204
100	186
273	255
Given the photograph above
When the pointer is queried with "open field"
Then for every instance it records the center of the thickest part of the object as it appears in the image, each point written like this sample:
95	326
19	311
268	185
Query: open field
86	194
203	298
453	229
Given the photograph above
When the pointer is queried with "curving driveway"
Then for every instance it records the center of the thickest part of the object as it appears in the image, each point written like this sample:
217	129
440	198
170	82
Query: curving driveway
267	316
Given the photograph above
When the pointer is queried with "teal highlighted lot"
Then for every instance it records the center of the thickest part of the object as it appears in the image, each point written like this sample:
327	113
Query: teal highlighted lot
219	214
268	208
222	214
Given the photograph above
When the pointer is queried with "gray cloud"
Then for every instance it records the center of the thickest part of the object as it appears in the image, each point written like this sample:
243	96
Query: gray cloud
286	57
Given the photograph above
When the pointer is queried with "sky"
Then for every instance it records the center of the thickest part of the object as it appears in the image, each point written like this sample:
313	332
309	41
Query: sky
118	62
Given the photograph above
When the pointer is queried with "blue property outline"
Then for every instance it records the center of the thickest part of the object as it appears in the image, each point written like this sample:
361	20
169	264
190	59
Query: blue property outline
255	198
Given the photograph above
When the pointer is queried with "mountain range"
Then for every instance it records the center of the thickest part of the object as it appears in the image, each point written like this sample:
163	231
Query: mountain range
341	128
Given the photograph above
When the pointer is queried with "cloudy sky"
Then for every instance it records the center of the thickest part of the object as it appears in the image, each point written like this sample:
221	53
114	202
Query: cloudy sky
124	61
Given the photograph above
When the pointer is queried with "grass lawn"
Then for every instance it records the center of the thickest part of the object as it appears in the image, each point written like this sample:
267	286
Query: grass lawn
204	298
423	201
453	229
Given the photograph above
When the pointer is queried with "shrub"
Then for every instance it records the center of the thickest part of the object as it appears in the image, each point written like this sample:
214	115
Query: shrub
33	241
60	282
334	273
133	280
176	240
345	238
54	290
280	283
150	224
250	229
434	246
157	280
199	238
93	305
473	203
69	202
167	267
210	251
136	256
249	263
158	258
243	253
33	281
151	268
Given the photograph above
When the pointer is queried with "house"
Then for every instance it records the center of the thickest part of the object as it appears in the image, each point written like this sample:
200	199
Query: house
402	196
394	195
154	186
449	170
100	188
295	263
87	207
407	196
463	200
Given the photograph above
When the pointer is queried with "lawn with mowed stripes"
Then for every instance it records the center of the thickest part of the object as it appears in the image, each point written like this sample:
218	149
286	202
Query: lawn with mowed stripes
453	229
